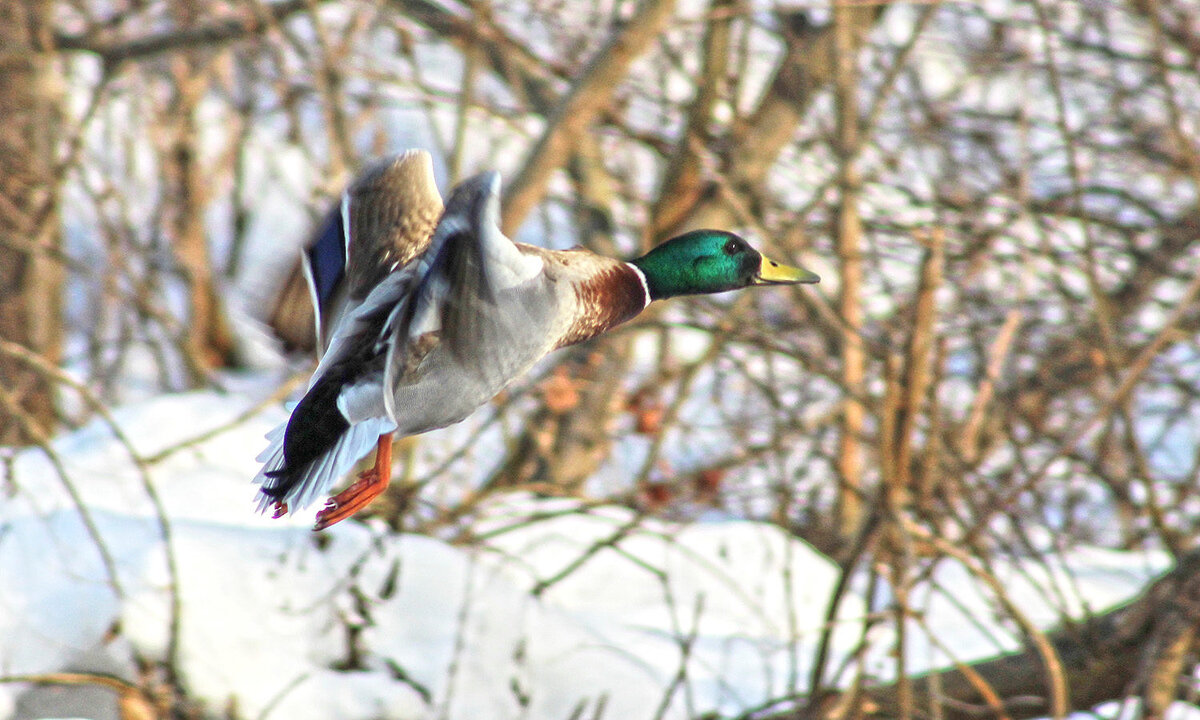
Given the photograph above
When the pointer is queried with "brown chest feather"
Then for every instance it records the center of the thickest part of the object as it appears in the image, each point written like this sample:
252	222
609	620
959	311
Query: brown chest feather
605	300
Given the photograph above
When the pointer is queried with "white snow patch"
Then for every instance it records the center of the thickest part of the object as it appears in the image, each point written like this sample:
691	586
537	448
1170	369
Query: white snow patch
553	608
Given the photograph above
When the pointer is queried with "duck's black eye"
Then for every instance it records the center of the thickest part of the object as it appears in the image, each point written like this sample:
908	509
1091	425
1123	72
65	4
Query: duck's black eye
734	245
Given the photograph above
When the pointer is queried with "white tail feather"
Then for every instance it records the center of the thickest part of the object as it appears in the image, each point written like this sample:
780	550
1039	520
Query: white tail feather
319	476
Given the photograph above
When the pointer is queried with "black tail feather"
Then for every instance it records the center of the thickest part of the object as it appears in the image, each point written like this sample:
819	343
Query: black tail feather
312	430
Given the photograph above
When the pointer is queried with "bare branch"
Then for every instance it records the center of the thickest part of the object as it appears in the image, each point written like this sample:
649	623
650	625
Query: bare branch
587	97
201	35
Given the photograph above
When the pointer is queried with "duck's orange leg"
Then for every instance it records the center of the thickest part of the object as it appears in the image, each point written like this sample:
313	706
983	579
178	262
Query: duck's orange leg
369	485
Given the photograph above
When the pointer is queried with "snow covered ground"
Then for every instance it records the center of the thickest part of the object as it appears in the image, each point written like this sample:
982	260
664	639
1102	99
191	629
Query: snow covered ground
555	611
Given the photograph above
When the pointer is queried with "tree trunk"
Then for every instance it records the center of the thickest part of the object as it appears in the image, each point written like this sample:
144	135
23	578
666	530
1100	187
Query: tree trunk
1135	649
209	341
31	277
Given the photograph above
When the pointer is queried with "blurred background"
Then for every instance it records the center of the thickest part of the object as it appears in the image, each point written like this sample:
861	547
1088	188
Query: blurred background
999	365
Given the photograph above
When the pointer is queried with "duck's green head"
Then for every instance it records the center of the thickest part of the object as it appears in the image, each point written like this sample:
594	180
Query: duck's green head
711	261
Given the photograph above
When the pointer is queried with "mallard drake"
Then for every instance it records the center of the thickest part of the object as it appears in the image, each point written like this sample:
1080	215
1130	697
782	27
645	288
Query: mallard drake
429	332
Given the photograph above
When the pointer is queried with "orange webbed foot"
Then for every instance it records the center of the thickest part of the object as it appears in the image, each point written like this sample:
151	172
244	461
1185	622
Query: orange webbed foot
370	484
351	500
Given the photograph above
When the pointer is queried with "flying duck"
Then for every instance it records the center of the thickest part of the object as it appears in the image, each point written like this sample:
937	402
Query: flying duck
425	313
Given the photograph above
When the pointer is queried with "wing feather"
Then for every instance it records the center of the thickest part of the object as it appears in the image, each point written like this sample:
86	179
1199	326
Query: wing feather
485	305
382	222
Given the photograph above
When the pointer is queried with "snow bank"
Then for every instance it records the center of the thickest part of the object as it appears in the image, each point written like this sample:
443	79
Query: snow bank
552	609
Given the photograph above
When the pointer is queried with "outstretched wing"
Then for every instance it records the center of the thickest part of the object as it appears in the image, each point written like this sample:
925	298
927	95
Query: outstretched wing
481	301
383	220
390	212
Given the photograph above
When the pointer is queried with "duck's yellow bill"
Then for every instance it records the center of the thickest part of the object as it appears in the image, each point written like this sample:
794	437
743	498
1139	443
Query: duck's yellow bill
773	273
